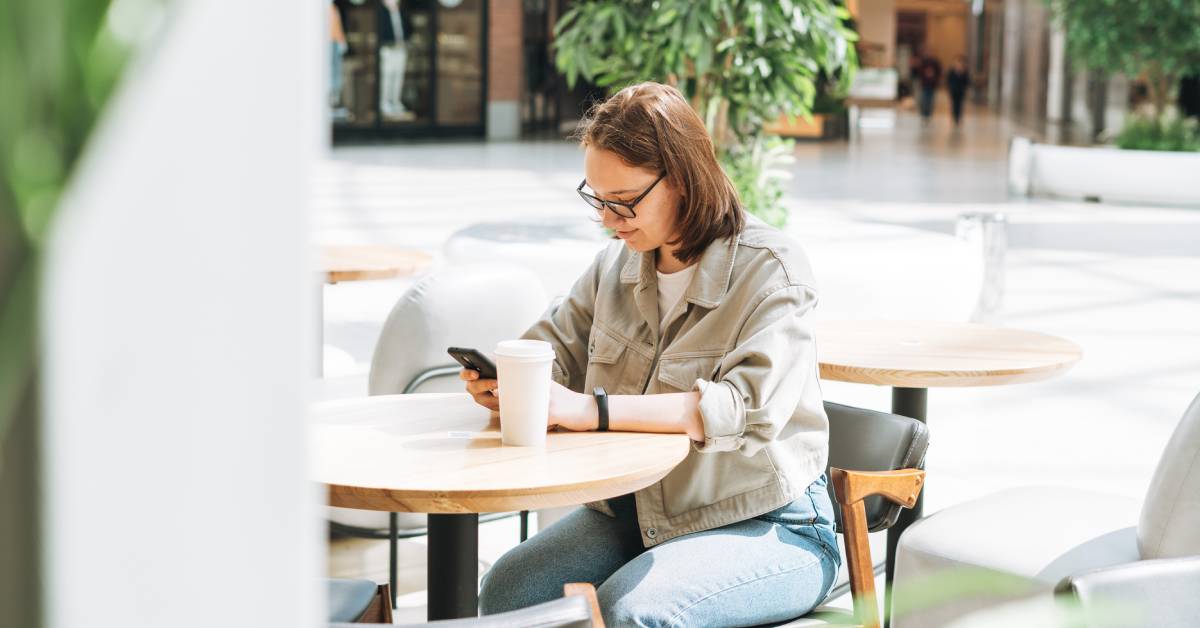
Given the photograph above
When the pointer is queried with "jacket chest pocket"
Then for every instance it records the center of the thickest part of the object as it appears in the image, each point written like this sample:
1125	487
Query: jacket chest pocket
678	373
615	364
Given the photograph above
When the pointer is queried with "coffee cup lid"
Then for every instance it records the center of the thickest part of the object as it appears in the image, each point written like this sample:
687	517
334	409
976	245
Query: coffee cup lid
528	349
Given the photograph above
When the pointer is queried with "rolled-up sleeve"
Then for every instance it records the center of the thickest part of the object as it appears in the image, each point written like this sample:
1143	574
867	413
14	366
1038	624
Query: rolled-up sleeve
768	376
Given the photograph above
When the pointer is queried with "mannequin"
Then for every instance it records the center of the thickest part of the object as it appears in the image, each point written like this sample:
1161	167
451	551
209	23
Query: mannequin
393	57
337	40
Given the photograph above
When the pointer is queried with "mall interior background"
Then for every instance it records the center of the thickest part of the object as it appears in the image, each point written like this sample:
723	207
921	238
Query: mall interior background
485	68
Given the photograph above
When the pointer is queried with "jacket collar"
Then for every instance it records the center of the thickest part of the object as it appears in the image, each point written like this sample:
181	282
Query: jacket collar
707	288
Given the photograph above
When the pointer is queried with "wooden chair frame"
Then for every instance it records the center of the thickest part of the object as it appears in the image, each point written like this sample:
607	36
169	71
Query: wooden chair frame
379	611
901	486
588	592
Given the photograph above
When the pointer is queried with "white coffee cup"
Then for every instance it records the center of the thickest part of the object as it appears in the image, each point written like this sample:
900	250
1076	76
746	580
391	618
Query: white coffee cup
524	381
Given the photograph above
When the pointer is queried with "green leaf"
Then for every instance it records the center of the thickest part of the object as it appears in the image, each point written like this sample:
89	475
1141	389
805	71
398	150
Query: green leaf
764	68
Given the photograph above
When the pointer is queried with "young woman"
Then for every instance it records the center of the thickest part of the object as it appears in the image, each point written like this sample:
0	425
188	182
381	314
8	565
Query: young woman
699	323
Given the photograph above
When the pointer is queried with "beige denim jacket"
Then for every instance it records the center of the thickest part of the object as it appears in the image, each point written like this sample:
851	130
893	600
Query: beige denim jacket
744	341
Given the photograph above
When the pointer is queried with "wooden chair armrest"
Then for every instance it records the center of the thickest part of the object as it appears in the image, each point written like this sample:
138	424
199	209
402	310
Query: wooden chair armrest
851	487
588	592
901	486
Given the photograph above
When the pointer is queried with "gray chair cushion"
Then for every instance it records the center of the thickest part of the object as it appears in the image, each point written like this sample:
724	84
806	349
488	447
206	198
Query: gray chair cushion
1162	593
567	612
1025	539
349	599
1041	533
1170	521
867	440
463	306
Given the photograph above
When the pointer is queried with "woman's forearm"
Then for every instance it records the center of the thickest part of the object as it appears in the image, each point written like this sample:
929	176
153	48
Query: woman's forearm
668	413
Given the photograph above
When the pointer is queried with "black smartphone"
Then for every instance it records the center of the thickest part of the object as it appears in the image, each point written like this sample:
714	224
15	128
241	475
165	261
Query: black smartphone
474	360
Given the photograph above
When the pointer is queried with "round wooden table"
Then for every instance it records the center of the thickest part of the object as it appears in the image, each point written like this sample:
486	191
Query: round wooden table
913	356
441	454
355	262
362	262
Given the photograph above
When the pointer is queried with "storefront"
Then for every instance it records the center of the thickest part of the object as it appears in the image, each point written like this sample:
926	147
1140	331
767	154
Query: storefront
408	68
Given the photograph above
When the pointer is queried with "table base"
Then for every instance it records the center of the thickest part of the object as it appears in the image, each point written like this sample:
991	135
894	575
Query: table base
452	576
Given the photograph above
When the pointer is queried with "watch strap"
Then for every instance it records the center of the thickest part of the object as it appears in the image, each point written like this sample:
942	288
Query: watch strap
601	408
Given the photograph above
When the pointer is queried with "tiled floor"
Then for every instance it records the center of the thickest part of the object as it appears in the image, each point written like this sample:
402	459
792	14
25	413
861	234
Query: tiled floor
1123	282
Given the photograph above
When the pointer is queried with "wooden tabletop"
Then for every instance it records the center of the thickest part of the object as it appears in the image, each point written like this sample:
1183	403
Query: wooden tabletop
936	354
441	453
361	262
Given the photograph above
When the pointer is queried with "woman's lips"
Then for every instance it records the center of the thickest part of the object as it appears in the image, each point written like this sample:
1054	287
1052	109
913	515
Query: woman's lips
625	235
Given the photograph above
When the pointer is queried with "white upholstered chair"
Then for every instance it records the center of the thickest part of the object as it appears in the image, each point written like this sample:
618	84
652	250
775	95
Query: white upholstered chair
1090	546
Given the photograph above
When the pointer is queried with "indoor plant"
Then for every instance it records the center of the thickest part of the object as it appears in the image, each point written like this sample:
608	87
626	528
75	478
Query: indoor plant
741	63
1156	40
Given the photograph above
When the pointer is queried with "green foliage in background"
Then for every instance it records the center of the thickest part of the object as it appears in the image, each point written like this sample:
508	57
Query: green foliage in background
1168	133
756	174
59	63
1155	40
60	60
740	63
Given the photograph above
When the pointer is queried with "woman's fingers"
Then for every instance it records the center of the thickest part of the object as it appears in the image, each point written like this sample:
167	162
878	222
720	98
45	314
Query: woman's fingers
481	390
481	386
487	400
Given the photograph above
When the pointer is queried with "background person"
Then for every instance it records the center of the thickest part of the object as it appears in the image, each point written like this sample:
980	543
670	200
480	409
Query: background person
930	73
958	79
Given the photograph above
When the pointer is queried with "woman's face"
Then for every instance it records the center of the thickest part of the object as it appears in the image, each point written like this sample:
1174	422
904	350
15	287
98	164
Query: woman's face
613	180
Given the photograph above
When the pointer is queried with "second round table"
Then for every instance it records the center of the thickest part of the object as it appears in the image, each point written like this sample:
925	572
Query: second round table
913	356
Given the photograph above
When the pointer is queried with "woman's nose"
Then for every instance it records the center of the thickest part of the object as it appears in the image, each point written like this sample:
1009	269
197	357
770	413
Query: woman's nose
610	219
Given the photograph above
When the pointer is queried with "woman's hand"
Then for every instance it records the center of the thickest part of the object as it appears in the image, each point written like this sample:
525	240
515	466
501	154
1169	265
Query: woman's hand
483	391
571	410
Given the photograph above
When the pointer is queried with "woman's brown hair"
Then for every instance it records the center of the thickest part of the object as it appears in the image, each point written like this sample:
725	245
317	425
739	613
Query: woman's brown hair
651	126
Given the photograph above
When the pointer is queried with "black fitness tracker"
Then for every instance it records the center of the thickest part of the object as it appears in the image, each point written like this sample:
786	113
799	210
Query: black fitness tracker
602	408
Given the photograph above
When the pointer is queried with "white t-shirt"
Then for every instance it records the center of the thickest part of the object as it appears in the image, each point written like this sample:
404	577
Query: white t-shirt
670	291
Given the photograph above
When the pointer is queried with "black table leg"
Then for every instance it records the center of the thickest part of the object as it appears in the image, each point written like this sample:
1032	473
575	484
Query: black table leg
909	402
393	550
453	566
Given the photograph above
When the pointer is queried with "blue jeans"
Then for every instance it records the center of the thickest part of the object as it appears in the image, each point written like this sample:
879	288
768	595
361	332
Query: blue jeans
767	569
925	101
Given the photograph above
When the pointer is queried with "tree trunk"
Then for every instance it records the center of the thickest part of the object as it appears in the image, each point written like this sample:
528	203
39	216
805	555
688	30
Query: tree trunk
20	516
721	128
1160	85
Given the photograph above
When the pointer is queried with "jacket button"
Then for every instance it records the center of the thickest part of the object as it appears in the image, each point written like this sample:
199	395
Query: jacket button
651	532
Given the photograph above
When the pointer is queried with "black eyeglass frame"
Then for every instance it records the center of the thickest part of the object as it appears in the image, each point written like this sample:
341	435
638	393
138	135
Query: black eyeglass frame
601	204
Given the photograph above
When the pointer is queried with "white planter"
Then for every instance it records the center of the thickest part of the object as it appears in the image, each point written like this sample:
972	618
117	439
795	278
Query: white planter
1106	174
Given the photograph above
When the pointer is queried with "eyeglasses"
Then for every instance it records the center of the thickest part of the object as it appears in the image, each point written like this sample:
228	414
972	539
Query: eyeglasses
622	209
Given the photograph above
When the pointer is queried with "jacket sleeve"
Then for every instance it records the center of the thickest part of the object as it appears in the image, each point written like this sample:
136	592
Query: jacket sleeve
768	378
567	324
